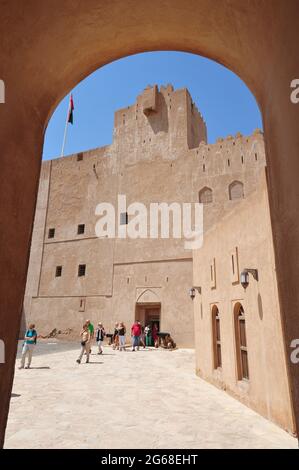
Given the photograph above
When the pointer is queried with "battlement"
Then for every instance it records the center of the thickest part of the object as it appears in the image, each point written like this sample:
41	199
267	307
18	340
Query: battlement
165	124
160	116
229	155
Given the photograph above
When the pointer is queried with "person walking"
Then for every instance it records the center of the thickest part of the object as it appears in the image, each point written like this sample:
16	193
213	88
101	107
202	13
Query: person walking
85	343
100	334
91	333
121	336
29	345
142	336
135	333
115	342
148	336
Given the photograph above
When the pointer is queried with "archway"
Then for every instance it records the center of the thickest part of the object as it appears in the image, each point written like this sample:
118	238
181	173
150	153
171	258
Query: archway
205	195
236	190
92	36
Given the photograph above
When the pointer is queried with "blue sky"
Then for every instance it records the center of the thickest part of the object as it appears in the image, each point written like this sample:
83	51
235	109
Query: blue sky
224	100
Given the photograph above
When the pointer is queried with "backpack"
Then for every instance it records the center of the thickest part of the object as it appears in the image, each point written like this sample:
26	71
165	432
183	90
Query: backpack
34	333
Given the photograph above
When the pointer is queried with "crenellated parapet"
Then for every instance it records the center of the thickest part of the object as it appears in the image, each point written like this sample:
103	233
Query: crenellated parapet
162	122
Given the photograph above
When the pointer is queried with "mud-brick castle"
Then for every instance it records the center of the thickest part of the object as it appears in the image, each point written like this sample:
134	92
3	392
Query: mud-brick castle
160	154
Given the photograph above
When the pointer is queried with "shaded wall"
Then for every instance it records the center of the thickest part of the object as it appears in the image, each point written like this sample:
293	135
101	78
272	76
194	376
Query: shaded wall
243	239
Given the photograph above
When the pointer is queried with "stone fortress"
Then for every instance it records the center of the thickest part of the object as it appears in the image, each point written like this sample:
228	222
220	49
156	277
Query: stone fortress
162	137
74	275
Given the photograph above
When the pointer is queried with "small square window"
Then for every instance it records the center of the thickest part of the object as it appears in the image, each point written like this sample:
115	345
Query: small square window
58	271
81	229
124	218
51	233
81	270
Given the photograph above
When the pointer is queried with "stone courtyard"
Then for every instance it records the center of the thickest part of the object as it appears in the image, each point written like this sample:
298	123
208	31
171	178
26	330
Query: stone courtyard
147	399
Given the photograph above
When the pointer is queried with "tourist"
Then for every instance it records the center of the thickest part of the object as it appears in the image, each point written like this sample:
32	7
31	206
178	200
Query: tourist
85	343
155	336
121	336
167	342
100	334
29	345
136	332
115	339
142	336
148	336
91	333
170	342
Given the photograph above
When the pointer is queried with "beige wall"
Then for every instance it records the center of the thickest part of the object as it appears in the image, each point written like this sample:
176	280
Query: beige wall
168	283
162	137
247	230
131	283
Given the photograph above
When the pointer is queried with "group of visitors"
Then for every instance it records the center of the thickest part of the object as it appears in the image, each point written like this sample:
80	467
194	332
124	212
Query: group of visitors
140	337
119	336
87	335
148	336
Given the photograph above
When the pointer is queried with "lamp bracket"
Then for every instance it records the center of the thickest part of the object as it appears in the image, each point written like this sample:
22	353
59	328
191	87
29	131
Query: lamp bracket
253	272
198	288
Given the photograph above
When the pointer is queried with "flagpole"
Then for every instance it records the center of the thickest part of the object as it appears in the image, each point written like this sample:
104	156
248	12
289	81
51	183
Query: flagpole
64	139
65	129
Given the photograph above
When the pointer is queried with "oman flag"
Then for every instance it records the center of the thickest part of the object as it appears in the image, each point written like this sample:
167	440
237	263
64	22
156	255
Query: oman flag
71	109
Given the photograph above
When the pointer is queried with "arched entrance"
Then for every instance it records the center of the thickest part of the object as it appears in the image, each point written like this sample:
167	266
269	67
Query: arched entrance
149	315
148	310
58	45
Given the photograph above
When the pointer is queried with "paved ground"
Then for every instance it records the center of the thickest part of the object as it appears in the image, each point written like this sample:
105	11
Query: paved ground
146	399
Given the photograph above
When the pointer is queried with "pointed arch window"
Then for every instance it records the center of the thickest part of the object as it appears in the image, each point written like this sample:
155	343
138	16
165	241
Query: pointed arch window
205	195
241	343
236	190
216	337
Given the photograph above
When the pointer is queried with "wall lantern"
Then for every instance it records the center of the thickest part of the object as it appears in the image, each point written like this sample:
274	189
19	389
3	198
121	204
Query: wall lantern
192	291
245	276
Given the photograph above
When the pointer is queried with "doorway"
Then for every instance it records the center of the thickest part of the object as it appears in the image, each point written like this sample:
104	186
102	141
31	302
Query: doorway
149	315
